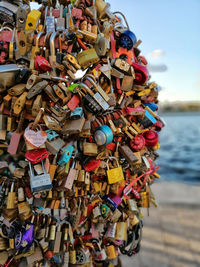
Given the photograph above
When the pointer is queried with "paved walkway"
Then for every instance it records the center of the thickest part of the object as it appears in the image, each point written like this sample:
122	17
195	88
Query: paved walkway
171	234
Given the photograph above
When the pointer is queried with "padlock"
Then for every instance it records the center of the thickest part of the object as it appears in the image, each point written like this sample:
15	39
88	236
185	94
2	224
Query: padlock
12	198
151	138
49	21
16	136
21	16
60	24
72	256
122	66
41	64
110	252
39	182
69	180
89	149
67	153
97	97
103	135
32	20
97	87
116	174
82	256
130	156
73	126
121	231
36	89
51	123
87	58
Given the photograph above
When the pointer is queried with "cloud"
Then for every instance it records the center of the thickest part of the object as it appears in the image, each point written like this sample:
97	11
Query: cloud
156	54
157	67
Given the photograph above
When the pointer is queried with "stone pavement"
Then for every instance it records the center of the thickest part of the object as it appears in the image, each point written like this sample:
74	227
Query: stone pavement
171	234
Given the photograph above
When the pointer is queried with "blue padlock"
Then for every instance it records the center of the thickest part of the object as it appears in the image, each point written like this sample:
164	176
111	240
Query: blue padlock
77	113
103	135
51	134
127	40
148	120
152	106
65	157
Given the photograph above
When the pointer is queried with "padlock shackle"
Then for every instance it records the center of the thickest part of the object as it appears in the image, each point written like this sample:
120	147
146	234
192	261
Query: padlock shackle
90	80
52	43
111	158
6	28
87	89
37	40
120	13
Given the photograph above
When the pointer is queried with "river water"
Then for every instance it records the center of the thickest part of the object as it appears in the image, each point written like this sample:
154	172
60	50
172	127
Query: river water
179	151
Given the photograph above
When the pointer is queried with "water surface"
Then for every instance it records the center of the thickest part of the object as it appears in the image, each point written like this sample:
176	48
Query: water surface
180	148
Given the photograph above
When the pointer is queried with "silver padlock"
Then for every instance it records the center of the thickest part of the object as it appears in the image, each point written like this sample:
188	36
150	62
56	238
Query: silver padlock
49	21
60	25
39	182
82	256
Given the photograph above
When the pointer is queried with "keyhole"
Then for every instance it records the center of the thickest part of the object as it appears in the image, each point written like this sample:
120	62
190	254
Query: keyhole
22	43
21	20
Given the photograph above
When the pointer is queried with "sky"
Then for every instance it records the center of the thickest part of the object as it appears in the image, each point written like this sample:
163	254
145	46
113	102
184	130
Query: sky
170	34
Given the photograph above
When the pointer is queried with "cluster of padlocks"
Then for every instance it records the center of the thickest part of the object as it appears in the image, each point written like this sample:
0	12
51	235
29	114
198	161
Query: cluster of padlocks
78	135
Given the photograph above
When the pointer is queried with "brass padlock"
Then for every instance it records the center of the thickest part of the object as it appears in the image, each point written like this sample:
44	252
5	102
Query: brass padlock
87	58
110	252
12	198
121	231
144	199
89	149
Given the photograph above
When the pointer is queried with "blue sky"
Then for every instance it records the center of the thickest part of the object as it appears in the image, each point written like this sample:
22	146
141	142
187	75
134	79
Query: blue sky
170	34
173	28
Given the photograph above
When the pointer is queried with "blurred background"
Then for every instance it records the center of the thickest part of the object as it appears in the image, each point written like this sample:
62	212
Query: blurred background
169	30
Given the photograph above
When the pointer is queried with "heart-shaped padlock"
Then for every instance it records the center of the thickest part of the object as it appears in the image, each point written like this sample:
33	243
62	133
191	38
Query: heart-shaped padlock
36	138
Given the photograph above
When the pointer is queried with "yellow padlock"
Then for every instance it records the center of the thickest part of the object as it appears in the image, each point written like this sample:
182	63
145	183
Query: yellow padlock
144	196
72	256
110	252
116	174
144	92
32	20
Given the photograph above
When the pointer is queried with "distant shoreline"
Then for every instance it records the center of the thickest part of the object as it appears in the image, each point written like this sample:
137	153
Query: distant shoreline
180	106
178	113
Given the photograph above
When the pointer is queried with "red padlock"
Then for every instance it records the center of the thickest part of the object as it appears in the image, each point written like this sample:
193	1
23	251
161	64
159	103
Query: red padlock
141	73
151	138
36	155
159	125
91	165
41	64
137	143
